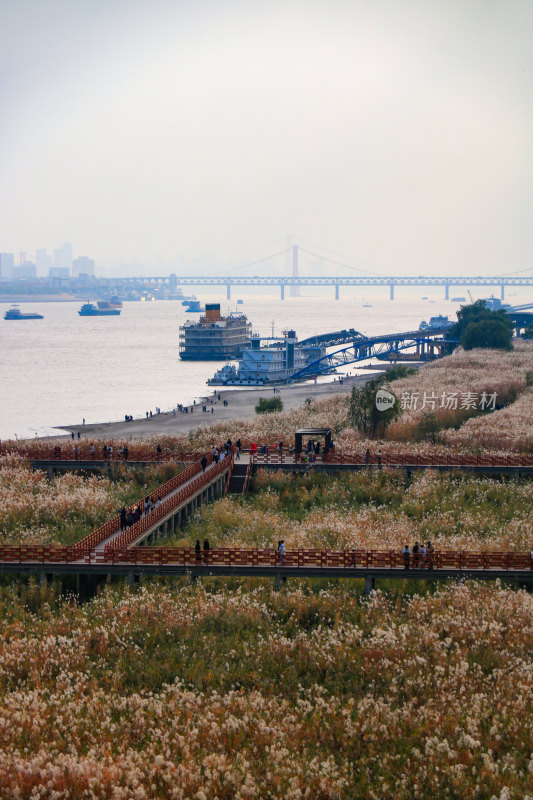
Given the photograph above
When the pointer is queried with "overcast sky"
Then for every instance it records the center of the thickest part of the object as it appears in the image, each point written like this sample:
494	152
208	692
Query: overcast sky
397	133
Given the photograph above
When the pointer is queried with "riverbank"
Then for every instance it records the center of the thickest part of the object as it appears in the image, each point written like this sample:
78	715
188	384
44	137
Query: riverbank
240	405
42	298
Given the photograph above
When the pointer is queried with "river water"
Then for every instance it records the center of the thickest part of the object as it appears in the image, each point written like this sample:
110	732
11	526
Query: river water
64	368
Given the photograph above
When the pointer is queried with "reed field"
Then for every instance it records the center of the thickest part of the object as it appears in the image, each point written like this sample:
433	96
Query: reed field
240	692
370	510
35	510
225	689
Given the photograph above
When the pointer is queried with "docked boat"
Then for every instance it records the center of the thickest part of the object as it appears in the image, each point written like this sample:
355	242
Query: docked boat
114	302
90	310
15	313
435	322
214	337
277	363
494	303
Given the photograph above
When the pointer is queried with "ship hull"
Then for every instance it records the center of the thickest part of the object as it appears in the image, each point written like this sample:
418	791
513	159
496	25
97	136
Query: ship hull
208	356
26	316
100	313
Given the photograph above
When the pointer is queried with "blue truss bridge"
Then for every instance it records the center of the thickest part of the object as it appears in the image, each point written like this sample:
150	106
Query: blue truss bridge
354	346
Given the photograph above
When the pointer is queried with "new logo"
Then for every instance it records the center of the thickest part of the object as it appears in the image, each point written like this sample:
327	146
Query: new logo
384	400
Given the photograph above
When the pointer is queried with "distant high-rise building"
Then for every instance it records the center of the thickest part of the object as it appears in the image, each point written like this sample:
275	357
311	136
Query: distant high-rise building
82	266
43	261
63	256
26	271
7	261
58	272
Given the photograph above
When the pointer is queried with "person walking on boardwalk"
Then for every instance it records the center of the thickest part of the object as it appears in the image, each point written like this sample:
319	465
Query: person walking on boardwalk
123	515
203	462
198	551
206	551
429	555
367	456
406	553
281	551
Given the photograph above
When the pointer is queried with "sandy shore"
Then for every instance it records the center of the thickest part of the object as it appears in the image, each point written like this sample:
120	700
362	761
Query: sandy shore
241	405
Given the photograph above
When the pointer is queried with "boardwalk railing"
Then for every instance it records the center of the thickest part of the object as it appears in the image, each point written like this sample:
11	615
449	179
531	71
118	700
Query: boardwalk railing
40	452
247	477
303	558
395	459
380	559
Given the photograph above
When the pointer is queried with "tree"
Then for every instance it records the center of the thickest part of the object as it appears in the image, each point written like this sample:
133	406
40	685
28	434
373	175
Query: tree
364	413
485	328
487	333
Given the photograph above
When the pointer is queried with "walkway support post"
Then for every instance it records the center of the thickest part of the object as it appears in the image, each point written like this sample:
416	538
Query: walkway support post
228	291
370	584
336	291
447	292
502	291
277	582
45	578
282	287
392	291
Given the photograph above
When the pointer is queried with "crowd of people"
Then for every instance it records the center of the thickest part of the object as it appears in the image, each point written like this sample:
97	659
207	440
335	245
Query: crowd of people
420	556
228	449
130	516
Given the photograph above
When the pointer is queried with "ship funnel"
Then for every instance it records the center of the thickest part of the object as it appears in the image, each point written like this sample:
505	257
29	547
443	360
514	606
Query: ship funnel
212	312
290	341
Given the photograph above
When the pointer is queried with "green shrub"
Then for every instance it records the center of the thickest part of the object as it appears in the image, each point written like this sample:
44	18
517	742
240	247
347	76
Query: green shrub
268	405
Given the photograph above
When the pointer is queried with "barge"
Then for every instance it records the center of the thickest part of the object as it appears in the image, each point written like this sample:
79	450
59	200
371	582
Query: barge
90	310
15	313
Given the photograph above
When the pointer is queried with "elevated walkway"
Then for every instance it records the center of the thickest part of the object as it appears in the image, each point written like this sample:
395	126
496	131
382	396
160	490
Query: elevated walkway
176	507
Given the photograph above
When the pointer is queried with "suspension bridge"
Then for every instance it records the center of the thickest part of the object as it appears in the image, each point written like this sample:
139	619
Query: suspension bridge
363	279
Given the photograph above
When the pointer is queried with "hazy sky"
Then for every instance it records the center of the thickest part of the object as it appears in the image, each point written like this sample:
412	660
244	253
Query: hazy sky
394	132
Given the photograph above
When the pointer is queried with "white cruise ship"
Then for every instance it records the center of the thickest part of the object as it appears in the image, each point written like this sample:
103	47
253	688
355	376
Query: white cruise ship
266	365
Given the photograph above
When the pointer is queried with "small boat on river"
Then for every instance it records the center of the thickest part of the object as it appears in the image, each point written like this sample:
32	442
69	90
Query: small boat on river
90	310
15	313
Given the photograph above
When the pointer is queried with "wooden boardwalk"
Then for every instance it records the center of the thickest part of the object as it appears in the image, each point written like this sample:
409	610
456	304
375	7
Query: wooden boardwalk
109	550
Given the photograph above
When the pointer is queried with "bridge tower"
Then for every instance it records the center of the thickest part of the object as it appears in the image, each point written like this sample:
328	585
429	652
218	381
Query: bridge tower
295	289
